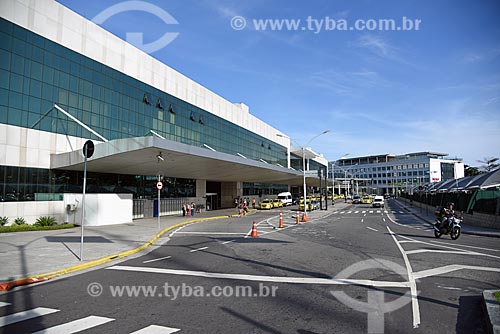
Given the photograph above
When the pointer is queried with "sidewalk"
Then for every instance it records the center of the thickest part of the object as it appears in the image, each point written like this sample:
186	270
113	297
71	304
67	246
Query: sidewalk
25	254
49	254
428	216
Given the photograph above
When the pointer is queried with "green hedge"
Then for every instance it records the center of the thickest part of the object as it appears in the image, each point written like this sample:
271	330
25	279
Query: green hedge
24	228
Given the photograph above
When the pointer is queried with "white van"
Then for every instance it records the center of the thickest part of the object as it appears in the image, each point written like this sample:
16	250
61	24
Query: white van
378	202
285	198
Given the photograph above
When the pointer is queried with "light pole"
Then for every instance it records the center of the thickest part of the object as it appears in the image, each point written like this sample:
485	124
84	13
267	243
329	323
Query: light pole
304	163
333	175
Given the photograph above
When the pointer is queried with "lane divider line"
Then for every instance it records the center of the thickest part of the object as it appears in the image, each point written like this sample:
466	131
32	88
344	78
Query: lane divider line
411	280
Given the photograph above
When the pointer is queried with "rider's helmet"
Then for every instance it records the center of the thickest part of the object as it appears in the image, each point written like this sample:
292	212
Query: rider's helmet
450	204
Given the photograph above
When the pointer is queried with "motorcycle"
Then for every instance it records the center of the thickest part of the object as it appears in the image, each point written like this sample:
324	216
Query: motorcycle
450	225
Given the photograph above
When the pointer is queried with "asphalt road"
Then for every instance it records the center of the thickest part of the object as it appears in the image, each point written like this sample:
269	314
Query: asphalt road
358	270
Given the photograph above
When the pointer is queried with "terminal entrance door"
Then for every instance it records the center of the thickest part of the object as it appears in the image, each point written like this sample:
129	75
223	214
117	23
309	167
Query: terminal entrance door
212	201
213	195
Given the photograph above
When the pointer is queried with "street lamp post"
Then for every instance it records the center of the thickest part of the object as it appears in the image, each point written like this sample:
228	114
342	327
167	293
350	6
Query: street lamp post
333	176
304	163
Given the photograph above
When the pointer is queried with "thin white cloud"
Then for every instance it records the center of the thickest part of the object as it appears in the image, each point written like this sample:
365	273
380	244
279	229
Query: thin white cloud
348	83
377	45
476	57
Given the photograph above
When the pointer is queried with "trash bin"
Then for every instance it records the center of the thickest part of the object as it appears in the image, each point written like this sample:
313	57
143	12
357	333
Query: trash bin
155	208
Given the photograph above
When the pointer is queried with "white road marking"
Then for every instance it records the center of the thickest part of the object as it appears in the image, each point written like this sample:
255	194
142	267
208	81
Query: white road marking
227	242
153	329
368	227
2	304
363	211
463	251
411	280
177	230
449	288
25	315
76	326
362	219
197	249
449	269
275	279
417	251
159	259
462	245
356	211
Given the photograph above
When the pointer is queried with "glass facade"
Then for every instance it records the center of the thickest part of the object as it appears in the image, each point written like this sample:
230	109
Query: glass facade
35	73
37	184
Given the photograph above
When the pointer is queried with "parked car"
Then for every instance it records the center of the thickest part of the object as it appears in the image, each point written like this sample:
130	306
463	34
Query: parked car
277	203
309	205
356	199
366	199
266	204
378	202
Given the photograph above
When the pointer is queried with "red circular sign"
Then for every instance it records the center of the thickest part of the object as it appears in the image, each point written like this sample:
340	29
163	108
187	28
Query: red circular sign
159	185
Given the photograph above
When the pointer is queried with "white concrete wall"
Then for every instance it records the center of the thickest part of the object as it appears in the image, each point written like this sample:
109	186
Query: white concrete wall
55	22
31	211
100	209
24	147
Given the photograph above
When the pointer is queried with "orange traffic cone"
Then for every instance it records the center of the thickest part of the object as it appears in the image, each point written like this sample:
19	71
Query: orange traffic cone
297	220
281	220
254	233
304	217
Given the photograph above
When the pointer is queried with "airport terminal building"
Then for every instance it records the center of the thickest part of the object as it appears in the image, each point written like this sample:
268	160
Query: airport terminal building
393	174
65	80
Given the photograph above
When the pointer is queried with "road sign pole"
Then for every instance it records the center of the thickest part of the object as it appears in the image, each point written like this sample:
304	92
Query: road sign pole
88	151
83	200
159	202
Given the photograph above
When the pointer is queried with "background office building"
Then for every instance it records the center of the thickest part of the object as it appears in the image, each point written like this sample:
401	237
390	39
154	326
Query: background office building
391	174
64	80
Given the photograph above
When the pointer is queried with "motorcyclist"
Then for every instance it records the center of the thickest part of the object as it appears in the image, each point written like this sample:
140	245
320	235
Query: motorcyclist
447	213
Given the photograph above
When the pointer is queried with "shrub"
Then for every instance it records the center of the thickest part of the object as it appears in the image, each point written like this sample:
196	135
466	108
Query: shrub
20	221
45	221
26	227
4	220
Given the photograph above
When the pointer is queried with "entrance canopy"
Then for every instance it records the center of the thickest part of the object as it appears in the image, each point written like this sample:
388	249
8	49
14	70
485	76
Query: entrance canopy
150	155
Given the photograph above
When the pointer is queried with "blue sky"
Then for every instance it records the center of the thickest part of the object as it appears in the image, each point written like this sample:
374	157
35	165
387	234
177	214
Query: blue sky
432	89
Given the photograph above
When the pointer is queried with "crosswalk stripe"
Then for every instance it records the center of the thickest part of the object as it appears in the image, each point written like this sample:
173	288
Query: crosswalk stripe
363	211
25	315
2	304
356	211
153	329
349	211
371	211
76	326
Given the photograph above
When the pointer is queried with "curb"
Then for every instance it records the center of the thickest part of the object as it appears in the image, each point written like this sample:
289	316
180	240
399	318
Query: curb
492	309
5	286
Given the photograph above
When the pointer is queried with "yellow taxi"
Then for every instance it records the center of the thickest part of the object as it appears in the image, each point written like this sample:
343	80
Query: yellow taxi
309	205
277	203
266	204
366	199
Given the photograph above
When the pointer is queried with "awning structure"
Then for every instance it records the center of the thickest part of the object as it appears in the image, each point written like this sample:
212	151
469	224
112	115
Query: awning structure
139	156
486	181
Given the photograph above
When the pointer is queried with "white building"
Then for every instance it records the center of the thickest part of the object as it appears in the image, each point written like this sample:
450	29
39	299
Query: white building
387	173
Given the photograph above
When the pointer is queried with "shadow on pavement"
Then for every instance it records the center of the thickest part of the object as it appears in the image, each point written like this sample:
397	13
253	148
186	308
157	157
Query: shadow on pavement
471	318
